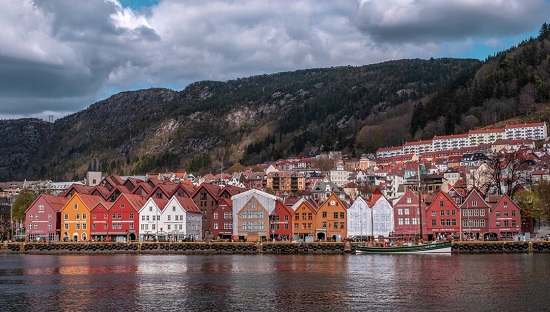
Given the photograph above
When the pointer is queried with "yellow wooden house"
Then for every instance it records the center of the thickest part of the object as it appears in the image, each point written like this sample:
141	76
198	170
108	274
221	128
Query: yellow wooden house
75	217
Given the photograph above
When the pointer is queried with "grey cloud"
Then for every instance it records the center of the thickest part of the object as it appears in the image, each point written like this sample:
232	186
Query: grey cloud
435	21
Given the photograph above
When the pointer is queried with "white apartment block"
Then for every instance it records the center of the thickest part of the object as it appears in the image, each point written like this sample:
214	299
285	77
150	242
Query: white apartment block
418	147
389	151
449	142
487	136
534	131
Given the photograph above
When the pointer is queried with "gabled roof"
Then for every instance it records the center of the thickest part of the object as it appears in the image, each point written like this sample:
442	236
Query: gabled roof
136	201
212	189
188	204
89	200
56	202
78	188
231	190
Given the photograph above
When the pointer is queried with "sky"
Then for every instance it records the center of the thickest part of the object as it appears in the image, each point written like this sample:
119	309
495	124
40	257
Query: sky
58	57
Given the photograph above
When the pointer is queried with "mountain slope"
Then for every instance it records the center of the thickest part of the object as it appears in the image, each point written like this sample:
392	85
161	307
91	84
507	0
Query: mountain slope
247	120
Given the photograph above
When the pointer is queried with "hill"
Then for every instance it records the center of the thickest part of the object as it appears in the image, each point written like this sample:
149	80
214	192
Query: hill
248	120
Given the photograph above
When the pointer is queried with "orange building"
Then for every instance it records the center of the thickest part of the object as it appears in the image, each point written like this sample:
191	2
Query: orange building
331	223
304	220
75	221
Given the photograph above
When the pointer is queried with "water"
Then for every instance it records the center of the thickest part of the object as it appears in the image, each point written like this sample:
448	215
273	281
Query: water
503	282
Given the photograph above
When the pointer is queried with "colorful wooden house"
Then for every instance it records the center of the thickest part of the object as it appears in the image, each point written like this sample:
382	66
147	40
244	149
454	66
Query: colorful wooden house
222	220
75	221
442	218
331	223
101	219
382	214
281	222
206	198
251	211
181	220
124	221
149	219
359	220
504	220
43	218
474	215
304	221
407	217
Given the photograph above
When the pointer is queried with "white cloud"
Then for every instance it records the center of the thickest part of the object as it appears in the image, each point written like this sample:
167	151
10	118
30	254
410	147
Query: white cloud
61	56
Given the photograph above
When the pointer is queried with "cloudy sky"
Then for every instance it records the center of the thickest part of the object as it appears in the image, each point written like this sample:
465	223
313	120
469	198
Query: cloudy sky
59	56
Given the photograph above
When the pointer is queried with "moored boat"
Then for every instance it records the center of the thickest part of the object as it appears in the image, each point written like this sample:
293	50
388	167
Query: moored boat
439	247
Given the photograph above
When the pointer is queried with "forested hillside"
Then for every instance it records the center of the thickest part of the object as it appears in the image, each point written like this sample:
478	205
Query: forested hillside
512	83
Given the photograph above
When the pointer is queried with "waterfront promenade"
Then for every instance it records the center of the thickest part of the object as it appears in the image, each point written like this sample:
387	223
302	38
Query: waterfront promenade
458	247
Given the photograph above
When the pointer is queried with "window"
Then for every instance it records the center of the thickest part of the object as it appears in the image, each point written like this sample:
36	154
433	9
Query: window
113	225
131	216
169	217
440	203
131	225
78	226
119	216
121	205
324	225
30	216
113	216
474	202
150	209
49	226
400	221
409	200
497	213
105	216
505	204
93	226
342	215
75	207
482	212
434	223
296	217
77	216
215	215
513	213
442	212
399	211
286	218
66	226
104	226
173	208
83	216
433	213
324	214
93	216
66	216
406	211
505	213
336	215
215	225
142	218
168	227
83	226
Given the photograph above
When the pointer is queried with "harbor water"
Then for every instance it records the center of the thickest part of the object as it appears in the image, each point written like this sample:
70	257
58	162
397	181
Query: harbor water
126	282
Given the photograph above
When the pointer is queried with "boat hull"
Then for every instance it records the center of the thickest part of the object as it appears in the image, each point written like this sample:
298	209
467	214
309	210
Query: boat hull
444	247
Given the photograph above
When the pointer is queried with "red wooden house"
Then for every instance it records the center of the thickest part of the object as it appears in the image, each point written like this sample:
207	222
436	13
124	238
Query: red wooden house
125	217
406	212
505	218
101	219
222	220
43	219
281	222
442	217
474	215
206	198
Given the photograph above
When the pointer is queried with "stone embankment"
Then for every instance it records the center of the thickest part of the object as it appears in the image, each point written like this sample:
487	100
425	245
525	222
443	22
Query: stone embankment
471	247
458	247
178	248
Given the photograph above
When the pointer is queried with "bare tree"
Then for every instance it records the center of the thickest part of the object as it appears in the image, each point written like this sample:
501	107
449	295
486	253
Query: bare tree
509	174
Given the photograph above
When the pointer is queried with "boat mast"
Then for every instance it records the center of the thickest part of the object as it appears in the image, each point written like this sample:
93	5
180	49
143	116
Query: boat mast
420	201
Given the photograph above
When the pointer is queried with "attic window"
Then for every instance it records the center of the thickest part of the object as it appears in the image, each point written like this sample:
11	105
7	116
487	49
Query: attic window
75	206
122	205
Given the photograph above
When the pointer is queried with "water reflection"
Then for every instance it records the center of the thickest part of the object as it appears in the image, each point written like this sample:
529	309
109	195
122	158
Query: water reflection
274	282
